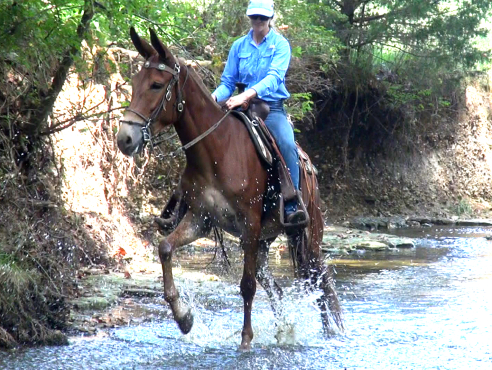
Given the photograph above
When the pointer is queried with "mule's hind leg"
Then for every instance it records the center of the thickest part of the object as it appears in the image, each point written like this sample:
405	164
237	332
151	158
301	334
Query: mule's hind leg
328	302
311	268
265	278
188	230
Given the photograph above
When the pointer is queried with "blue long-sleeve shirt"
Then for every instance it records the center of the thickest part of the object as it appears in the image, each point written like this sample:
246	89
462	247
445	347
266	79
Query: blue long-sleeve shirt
261	67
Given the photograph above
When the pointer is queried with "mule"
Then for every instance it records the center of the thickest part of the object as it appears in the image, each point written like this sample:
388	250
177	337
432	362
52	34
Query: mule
224	185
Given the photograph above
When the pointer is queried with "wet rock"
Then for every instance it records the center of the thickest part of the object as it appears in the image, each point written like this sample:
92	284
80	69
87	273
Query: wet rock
443	221
56	338
473	223
86	329
421	220
340	240
402	243
136	292
431	220
372	246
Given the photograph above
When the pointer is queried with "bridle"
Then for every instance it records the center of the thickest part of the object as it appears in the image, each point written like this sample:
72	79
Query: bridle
179	105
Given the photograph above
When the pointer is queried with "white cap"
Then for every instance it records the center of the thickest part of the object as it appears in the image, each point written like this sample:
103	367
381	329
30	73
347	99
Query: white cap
260	7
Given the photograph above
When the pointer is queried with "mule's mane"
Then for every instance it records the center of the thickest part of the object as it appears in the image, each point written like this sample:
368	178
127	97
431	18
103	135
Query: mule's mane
198	80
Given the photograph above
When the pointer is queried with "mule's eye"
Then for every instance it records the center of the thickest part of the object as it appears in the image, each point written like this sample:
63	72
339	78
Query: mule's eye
156	86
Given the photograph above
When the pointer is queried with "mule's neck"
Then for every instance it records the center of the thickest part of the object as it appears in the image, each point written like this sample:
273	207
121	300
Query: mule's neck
201	113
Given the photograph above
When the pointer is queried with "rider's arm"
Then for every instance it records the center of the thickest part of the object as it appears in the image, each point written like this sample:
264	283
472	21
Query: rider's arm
229	77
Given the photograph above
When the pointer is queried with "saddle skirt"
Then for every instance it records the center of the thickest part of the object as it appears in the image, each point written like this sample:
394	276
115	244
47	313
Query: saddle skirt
264	141
261	141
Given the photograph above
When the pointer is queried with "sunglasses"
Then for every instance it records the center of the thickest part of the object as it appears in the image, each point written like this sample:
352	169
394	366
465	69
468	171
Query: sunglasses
257	16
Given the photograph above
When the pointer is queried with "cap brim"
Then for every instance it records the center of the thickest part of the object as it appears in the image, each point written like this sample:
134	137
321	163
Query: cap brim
259	11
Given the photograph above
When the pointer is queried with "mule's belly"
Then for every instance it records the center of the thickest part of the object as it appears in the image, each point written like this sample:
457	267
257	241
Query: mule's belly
226	215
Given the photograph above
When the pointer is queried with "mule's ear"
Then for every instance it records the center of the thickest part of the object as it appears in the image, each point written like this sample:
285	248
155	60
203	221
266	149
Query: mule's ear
164	52
142	46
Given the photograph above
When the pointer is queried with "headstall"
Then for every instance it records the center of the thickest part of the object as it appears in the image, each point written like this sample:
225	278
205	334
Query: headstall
179	104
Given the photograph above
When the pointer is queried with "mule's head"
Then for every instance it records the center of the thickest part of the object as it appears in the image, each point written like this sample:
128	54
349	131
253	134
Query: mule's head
156	96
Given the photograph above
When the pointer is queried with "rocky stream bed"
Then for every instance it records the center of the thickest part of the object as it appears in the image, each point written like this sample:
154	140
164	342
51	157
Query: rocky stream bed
133	294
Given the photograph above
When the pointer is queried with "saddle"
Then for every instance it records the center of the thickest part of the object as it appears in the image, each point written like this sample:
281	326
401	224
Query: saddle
253	118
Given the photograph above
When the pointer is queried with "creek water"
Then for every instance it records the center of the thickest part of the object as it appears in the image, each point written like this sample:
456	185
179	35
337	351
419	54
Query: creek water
420	308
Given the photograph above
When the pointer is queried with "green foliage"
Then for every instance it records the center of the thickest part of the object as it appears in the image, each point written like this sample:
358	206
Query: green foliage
398	95
300	106
45	28
463	207
6	259
306	32
428	29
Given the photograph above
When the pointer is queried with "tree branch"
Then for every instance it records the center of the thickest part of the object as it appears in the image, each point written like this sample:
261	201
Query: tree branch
79	117
61	73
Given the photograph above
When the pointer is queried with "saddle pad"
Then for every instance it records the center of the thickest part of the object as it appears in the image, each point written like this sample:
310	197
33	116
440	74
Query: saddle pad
253	128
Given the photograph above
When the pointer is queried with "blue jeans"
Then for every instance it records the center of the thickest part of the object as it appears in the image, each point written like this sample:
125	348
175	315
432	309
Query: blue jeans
283	133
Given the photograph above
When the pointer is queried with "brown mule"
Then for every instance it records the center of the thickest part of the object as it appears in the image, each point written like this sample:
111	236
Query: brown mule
223	185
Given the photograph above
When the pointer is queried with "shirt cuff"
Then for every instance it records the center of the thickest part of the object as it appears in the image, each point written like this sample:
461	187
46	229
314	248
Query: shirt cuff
222	93
261	89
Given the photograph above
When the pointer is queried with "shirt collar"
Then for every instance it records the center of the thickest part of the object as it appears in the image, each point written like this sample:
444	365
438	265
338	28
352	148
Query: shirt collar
268	35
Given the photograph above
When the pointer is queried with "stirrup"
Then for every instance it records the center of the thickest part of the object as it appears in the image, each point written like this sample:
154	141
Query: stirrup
294	225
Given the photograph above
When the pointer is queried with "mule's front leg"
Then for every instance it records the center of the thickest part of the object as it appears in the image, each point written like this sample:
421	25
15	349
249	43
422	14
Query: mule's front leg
186	232
248	282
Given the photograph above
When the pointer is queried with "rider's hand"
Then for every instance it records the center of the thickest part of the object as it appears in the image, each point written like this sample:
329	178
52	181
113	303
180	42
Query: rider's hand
241	99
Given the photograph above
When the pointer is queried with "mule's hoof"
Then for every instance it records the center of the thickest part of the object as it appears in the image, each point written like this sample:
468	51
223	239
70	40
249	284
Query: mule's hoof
245	347
296	217
186	322
245	342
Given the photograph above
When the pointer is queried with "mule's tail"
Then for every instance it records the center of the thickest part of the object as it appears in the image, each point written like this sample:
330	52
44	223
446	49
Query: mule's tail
305	248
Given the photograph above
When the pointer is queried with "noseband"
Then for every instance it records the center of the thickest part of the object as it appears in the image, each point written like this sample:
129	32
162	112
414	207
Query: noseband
179	104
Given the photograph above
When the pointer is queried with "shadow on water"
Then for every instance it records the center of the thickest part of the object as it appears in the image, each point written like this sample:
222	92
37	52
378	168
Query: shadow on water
420	308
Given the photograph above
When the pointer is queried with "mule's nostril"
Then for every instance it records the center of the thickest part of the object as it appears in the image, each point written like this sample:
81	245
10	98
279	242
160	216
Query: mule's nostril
128	140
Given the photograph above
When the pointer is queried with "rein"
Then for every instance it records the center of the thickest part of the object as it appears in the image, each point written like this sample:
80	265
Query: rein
201	136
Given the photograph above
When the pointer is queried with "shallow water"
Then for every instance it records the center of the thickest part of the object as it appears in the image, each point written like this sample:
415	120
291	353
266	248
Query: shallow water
421	308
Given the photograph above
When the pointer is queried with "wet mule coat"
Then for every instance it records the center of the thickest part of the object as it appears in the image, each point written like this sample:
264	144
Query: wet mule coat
224	185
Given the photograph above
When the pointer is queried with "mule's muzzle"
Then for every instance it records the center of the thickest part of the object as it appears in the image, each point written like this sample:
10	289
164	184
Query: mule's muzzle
130	139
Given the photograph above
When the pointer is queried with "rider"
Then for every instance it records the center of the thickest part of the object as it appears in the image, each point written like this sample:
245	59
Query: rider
260	60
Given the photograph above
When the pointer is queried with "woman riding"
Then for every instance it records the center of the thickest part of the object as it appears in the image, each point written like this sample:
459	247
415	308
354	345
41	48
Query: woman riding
260	60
